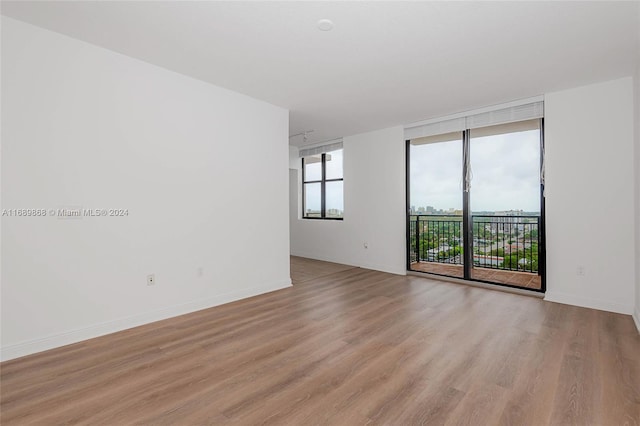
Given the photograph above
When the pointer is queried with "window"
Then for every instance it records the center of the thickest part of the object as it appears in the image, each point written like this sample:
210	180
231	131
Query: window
475	196
322	186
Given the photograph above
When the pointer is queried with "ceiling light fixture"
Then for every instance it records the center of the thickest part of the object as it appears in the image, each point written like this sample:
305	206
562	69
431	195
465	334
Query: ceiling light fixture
325	25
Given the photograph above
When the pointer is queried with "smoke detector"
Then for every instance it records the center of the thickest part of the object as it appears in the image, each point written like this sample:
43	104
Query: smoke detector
325	25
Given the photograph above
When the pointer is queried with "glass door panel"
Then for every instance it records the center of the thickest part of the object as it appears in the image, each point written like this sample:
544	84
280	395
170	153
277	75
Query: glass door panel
435	228
505	204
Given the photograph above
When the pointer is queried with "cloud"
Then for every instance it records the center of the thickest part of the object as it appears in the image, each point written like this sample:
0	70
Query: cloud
505	173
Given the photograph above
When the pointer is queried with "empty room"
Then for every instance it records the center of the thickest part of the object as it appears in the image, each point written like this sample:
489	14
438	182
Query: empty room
320	213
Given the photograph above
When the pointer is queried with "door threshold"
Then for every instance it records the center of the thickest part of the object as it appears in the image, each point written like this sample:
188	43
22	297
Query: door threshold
480	284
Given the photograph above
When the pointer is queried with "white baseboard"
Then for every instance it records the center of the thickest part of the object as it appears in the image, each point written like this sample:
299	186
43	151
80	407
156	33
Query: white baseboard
73	336
376	267
383	268
636	318
585	302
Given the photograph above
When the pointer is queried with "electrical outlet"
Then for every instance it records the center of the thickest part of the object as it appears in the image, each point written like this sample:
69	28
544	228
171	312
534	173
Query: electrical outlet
151	279
366	245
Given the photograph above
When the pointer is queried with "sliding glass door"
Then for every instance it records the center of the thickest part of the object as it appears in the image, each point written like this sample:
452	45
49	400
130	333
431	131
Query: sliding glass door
475	205
435	207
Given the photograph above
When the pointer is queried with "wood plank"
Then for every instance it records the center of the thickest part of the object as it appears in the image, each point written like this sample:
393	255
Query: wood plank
349	346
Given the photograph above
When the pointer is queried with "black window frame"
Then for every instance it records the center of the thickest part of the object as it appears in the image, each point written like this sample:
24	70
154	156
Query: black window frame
468	218
323	181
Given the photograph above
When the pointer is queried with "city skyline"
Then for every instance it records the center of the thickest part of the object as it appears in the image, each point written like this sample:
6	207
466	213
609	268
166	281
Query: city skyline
427	210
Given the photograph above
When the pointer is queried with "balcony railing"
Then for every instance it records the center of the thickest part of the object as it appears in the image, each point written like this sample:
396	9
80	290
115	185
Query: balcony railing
439	239
508	243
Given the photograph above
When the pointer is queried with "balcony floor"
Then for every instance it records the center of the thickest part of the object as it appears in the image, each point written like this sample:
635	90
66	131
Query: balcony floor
520	279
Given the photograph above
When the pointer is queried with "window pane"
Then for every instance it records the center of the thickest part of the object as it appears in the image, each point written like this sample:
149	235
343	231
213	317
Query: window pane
334	164
436	176
311	200
505	161
335	199
313	168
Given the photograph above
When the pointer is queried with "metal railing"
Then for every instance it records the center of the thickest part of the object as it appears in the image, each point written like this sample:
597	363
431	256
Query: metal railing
508	243
438	237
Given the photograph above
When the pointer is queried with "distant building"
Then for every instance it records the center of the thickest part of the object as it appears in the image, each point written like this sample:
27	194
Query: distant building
432	254
507	216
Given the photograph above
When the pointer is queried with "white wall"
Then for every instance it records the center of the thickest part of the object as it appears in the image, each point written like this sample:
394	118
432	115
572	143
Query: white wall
294	159
374	207
590	196
590	200
201	170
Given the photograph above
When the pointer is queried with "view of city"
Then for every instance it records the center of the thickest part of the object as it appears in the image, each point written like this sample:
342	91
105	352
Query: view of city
329	173
504	204
502	240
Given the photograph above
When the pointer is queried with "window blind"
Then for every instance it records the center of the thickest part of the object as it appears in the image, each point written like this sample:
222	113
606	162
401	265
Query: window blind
436	128
441	137
501	129
506	115
528	109
321	149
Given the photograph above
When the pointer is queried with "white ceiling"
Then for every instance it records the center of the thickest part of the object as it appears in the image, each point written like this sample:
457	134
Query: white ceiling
384	63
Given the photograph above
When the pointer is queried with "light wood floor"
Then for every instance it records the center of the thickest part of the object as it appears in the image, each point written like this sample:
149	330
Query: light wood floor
303	269
349	347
